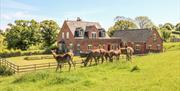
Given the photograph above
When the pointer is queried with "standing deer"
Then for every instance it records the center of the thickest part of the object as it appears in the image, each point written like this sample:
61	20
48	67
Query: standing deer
61	59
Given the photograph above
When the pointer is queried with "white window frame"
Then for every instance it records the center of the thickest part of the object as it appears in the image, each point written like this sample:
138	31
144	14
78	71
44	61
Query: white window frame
78	46
63	35
94	33
137	46
158	47
67	35
89	47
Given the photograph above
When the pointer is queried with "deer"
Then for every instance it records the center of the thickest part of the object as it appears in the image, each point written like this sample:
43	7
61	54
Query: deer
61	59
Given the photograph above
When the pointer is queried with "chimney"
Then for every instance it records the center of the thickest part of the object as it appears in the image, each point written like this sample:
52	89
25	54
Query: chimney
78	19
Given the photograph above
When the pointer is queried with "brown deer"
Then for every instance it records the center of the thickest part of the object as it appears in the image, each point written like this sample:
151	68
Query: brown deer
61	59
96	54
128	51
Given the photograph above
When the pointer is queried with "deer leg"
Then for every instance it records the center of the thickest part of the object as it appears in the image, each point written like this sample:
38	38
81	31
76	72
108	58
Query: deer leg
57	67
60	67
102	58
73	63
69	66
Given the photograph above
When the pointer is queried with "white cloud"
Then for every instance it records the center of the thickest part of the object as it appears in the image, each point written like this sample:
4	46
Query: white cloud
11	4
21	15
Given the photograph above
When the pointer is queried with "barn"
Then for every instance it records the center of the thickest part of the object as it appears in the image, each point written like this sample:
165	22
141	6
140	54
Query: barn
142	40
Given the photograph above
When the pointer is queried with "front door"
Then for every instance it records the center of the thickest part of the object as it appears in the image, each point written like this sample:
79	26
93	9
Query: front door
109	47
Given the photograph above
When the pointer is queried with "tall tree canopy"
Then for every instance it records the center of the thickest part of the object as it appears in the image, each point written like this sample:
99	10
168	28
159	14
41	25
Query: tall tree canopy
178	27
121	25
49	30
165	34
144	22
23	34
168	26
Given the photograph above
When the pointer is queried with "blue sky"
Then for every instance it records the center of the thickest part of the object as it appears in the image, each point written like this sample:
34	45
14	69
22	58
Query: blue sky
102	11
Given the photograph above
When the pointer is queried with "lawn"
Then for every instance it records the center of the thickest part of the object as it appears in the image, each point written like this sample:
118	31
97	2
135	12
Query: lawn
21	61
157	72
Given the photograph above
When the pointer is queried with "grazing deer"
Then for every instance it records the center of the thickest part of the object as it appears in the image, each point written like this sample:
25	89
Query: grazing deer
96	54
61	59
128	51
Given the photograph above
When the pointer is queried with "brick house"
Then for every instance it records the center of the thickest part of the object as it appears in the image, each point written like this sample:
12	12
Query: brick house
82	36
142	40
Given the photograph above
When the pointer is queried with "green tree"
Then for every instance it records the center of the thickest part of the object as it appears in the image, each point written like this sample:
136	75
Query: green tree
177	27
23	34
168	26
144	22
165	34
121	25
49	30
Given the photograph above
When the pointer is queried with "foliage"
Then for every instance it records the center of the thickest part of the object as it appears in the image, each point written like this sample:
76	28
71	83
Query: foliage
168	26
165	34
177	27
23	34
144	22
5	71
14	53
49	30
171	46
121	25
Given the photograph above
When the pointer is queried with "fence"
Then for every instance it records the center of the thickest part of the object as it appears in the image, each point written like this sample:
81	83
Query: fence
31	67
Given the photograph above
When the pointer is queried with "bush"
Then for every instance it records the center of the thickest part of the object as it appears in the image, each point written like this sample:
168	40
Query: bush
135	68
38	58
14	53
52	47
32	58
5	71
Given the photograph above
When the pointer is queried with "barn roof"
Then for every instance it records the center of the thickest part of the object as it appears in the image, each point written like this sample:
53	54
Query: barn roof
133	35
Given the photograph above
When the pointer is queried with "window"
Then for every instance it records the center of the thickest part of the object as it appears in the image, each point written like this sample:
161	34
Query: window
103	46
78	47
89	47
67	35
81	33
149	46
60	46
94	35
62	35
137	47
154	38
71	46
100	46
76	34
158	47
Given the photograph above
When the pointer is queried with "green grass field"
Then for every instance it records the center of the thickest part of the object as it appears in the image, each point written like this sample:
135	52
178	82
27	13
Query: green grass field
21	61
157	72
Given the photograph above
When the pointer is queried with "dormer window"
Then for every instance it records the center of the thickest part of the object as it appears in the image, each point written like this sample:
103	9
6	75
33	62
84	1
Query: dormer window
94	35
102	33
79	32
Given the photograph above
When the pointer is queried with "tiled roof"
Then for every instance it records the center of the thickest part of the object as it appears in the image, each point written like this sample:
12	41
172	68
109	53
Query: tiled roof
133	35
83	24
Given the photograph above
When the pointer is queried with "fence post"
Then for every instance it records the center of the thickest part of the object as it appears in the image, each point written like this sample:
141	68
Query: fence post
35	67
17	69
49	65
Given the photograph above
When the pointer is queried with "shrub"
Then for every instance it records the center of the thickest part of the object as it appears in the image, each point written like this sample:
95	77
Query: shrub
5	71
52	47
32	58
135	68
